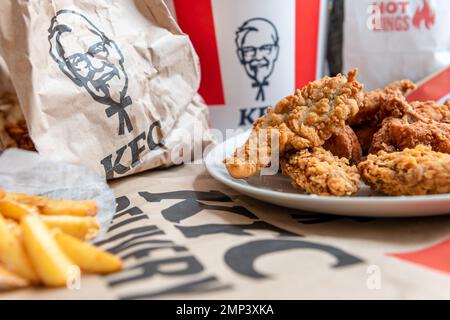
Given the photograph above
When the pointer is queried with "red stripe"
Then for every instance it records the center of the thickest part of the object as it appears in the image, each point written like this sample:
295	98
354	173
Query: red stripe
196	19
435	88
436	257
307	17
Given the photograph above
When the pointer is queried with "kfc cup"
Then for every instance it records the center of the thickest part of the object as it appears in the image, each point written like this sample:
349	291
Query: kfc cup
252	52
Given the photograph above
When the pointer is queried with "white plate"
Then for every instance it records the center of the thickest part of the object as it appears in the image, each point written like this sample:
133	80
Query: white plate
278	190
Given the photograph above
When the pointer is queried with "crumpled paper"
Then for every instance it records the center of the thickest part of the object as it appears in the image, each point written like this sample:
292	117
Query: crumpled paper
117	93
29	173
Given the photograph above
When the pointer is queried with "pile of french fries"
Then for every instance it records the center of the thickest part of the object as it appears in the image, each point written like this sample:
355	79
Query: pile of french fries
42	240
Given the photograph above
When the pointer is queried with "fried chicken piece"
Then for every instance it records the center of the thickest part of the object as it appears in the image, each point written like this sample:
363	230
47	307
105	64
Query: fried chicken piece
397	106
345	144
432	110
421	123
13	128
19	133
365	133
374	100
306	119
417	171
322	108
379	104
319	172
398	134
256	153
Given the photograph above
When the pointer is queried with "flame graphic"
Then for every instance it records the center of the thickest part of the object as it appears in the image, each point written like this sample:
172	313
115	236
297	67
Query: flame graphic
424	14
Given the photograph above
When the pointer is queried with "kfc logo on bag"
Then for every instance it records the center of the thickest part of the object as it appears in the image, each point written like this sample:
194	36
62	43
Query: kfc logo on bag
92	61
252	53
399	16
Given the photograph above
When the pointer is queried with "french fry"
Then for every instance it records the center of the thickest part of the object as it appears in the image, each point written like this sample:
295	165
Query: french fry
69	207
57	207
13	255
84	228
26	199
31	254
10	281
14	227
15	210
86	256
49	261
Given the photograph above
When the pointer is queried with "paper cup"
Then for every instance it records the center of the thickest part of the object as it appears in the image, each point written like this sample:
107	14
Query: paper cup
253	52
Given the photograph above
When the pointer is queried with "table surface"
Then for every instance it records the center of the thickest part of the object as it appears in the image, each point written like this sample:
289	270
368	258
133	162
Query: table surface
182	235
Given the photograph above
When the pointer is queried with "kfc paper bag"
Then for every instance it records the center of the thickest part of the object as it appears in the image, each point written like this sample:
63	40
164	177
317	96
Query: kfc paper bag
5	80
110	84
390	40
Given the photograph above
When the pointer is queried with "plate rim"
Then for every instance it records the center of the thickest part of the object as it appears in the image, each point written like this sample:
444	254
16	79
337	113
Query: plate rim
209	163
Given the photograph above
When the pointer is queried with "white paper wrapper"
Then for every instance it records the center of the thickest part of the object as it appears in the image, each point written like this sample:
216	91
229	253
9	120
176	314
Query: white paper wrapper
396	39
27	172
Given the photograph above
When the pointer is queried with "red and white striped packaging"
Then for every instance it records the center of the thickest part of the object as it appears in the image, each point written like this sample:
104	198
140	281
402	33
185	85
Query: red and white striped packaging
253	52
435	87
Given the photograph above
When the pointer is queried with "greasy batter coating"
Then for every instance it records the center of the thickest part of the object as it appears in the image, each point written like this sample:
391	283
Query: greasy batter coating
432	110
398	134
319	172
322	108
345	144
374	100
416	171
306	119
13	128
365	133
396	106
256	153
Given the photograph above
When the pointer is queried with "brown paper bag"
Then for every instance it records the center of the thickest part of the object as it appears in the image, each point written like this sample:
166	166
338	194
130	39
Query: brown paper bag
111	85
6	86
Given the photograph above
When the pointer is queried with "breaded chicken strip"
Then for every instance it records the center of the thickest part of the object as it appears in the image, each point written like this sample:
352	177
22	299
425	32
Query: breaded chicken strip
378	105
306	119
319	172
374	100
365	133
256	153
345	144
432	110
417	171
398	134
407	125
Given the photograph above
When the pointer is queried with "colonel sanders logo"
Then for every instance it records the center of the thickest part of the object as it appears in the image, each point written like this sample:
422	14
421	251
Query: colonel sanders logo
92	61
257	44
